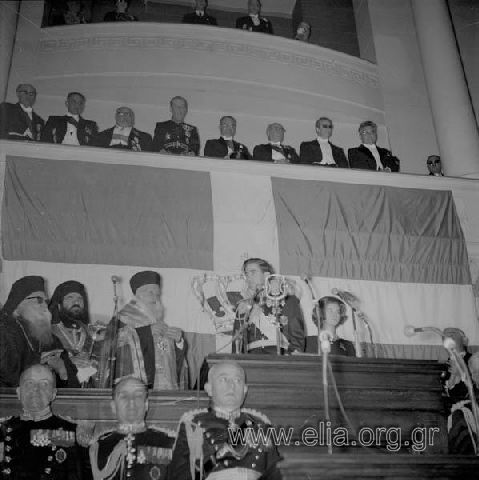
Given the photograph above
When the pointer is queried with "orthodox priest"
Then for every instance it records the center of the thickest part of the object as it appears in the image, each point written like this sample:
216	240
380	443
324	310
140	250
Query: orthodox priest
71	325
26	336
146	347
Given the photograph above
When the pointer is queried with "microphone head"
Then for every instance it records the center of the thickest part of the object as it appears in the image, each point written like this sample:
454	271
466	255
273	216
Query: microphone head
409	331
335	291
115	279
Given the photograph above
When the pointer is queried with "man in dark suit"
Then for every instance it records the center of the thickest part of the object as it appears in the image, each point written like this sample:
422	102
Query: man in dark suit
72	128
321	151
226	146
174	136
199	16
124	135
254	22
275	151
18	121
368	156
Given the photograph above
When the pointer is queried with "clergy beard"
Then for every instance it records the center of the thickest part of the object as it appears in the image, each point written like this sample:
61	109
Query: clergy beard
69	317
40	330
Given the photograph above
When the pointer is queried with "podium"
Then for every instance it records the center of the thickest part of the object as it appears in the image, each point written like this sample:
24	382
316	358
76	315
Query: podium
389	402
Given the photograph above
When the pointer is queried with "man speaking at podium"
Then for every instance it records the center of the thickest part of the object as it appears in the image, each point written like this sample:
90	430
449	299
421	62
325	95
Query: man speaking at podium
257	324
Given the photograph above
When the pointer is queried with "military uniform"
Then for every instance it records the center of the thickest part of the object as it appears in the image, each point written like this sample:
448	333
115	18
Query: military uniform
176	138
141	455
40	450
205	445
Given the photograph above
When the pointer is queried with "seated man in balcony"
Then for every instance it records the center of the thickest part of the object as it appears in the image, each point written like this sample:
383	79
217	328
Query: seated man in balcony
226	146
142	343
132	450
275	151
72	128
199	15
206	447
71	325
120	14
174	136
18	121
303	32
322	151
254	22
38	444
259	328
124	135
26	335
434	166
368	156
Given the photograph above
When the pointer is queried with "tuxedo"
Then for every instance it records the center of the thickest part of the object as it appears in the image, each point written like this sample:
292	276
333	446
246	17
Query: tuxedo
362	158
137	140
310	152
218	148
195	19
14	121
246	23
264	153
56	128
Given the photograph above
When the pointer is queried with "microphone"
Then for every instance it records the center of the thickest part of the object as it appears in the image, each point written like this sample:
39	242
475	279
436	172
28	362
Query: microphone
347	297
411	330
325	338
115	279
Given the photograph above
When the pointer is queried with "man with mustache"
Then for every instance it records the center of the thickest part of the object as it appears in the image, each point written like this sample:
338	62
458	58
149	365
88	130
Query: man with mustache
139	343
71	325
26	335
39	444
205	447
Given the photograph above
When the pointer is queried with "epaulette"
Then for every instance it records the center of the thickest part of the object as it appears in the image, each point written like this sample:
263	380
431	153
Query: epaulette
5	419
188	416
168	431
260	415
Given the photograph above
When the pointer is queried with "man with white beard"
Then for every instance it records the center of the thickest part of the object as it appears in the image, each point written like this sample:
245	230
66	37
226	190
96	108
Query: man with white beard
141	344
26	336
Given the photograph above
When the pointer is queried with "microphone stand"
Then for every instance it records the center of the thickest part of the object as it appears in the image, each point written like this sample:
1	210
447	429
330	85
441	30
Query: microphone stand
466	377
107	374
357	344
325	346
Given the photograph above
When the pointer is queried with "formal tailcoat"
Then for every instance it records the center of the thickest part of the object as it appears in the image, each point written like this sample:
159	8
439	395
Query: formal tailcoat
246	23
56	128
311	153
195	19
14	122
362	158
218	148
138	141
264	152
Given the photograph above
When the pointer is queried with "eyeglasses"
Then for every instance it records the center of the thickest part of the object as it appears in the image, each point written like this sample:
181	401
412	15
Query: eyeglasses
40	300
326	126
27	92
431	162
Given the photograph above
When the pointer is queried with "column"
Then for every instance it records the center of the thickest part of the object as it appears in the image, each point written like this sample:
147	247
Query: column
8	27
454	120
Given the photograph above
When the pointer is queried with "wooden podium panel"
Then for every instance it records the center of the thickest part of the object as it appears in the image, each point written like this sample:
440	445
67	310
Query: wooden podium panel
375	393
303	463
